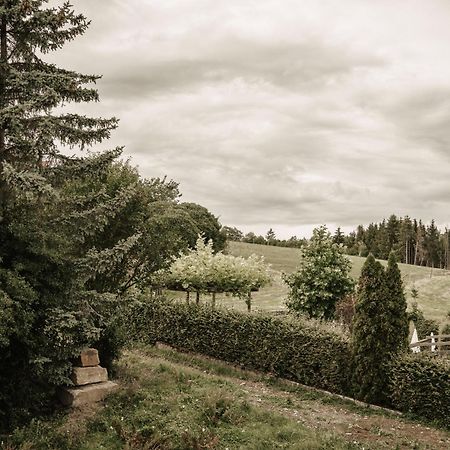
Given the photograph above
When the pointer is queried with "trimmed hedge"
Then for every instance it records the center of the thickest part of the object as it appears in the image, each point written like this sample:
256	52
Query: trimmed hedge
421	384
293	349
301	350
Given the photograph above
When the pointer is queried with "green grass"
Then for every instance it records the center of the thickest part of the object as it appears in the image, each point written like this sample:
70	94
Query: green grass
163	405
173	400
433	285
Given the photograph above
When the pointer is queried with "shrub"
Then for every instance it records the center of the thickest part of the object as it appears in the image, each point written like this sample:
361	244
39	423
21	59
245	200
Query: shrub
423	325
420	384
310	353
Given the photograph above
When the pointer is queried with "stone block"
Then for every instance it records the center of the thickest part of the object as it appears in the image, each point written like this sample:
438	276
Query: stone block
88	375
88	358
83	395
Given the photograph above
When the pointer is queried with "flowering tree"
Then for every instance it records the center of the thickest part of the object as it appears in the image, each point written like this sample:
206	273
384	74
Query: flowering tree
203	271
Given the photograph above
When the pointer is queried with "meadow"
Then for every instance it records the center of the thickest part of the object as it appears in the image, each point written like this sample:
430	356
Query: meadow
433	285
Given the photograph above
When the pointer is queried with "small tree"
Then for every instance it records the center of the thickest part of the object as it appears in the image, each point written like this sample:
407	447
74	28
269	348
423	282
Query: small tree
323	279
270	237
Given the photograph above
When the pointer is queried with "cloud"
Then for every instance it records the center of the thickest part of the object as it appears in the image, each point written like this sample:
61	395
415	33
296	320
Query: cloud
332	111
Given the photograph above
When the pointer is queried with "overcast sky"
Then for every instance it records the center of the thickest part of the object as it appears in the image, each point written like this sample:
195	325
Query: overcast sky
282	114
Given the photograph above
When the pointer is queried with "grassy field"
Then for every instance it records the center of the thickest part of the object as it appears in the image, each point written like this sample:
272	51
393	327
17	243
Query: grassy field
433	285
173	400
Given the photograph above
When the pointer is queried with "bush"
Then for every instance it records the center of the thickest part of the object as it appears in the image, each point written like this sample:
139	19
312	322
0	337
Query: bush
306	352
421	384
423	325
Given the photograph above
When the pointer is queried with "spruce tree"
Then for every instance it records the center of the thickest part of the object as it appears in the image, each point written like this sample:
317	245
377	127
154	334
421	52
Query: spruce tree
397	337
371	323
49	308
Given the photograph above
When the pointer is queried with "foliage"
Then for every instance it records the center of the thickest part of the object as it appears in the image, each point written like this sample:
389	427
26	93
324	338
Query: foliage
370	328
397	338
202	270
380	329
412	241
306	351
420	384
63	239
345	310
310	353
207	225
323	278
423	325
232	233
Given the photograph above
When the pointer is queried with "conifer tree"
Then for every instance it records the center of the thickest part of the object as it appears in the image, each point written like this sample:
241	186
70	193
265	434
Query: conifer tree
49	308
370	326
397	336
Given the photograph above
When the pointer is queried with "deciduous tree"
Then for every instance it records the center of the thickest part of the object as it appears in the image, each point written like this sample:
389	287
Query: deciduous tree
323	277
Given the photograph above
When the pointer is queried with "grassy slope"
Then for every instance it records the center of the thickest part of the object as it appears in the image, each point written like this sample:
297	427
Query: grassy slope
433	285
173	400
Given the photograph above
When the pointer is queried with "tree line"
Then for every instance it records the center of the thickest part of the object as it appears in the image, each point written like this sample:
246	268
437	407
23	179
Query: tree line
412	241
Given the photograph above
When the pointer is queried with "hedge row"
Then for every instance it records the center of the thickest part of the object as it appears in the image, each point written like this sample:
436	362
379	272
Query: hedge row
421	384
286	348
303	351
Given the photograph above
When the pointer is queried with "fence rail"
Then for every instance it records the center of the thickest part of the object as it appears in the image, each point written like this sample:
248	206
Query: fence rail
439	343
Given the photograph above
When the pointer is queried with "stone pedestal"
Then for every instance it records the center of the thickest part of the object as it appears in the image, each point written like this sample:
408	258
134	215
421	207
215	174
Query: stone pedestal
90	380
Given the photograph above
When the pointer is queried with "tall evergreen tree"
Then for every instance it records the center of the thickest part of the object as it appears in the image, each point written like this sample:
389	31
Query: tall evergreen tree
398	327
49	308
338	237
371	323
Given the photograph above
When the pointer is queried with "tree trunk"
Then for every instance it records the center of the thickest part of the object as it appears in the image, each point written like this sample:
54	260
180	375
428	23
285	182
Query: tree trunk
187	296
249	302
197	298
3	73
213	301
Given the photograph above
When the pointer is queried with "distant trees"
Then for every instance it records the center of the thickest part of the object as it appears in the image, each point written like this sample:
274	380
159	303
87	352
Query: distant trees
270	237
323	279
380	327
411	240
232	234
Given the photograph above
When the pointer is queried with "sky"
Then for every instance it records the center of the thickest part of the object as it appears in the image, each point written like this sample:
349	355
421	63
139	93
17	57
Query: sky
279	114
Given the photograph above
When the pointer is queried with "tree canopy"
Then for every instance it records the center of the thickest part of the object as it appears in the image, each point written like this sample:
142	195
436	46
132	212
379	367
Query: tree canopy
322	279
202	270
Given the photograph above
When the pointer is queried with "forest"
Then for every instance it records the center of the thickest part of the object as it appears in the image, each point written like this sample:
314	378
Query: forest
412	241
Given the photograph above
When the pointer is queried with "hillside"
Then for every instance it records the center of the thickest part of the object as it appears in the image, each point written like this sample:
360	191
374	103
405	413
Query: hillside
433	285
